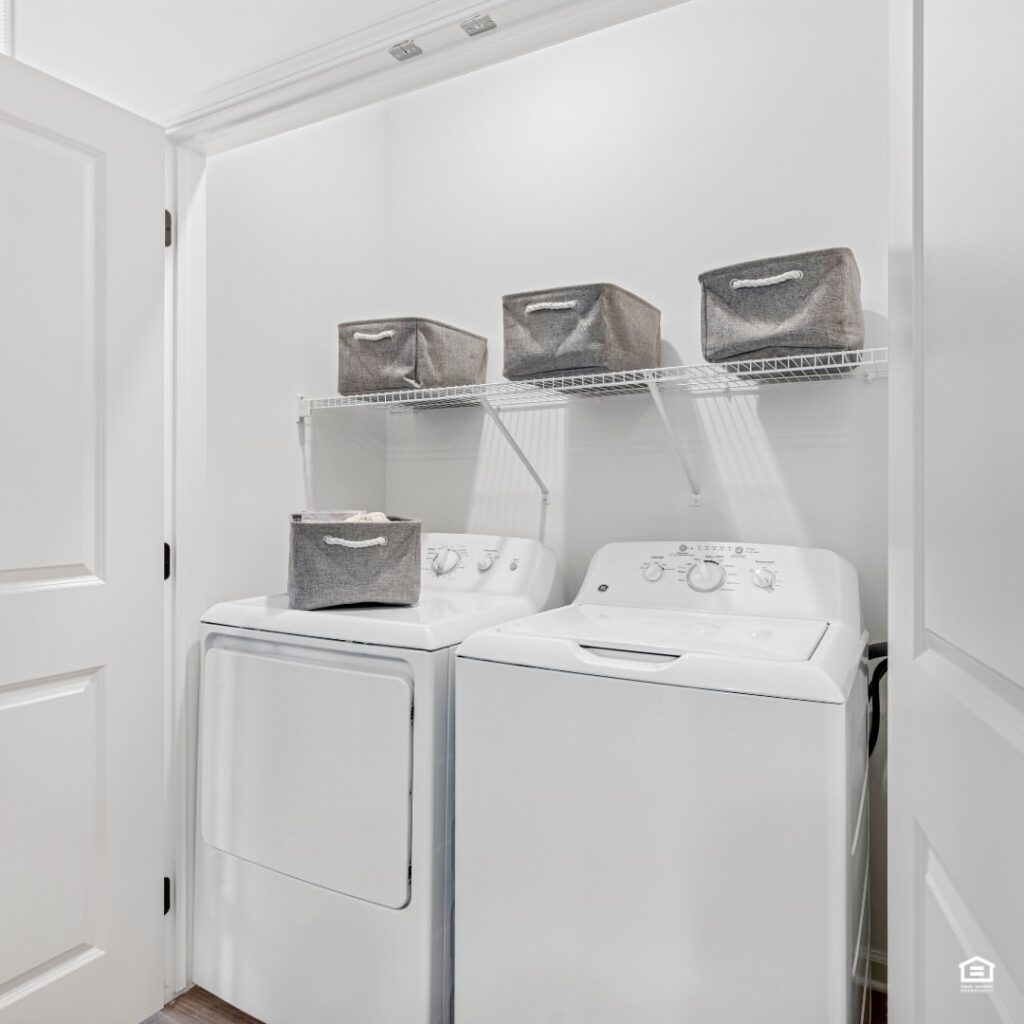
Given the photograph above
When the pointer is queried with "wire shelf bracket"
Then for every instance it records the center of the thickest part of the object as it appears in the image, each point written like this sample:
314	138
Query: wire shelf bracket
696	498
495	418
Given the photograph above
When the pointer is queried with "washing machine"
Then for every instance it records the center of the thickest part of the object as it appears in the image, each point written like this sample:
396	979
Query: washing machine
661	796
323	881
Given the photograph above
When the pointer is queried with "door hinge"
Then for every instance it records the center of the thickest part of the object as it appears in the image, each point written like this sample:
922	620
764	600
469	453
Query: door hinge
167	895
167	229
167	561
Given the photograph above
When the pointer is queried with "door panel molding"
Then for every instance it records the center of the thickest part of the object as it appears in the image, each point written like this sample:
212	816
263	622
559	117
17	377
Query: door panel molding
964	674
73	395
46	974
52	750
937	886
46	576
31	691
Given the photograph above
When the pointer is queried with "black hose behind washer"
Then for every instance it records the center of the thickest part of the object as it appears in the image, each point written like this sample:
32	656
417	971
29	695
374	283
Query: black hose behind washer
876	651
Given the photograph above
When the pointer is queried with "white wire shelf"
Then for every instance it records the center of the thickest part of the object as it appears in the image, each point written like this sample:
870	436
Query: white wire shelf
700	378
741	375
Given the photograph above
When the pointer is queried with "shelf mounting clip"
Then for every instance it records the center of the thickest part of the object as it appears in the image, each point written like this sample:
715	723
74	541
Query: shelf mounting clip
488	408
696	498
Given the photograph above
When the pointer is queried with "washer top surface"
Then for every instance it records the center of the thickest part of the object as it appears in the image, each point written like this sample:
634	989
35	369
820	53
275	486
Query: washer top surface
746	618
673	632
469	582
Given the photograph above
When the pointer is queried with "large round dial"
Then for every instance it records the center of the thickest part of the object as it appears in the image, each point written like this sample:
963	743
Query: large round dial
445	561
705	576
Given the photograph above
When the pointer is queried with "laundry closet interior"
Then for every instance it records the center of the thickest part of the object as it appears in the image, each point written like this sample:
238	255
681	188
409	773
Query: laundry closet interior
428	165
642	154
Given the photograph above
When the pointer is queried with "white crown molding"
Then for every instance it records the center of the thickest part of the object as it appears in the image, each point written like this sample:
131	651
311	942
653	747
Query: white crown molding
356	70
420	19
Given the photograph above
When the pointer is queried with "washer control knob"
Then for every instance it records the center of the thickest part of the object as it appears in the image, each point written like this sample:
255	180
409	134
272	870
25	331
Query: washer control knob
653	572
762	578
705	576
446	561
485	562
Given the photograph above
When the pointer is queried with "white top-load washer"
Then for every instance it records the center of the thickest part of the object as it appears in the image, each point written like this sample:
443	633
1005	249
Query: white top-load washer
661	796
323	852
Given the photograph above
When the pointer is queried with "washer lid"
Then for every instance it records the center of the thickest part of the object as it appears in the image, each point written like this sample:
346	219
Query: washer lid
674	633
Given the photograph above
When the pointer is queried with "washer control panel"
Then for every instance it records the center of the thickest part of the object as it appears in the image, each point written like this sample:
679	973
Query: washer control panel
707	567
719	576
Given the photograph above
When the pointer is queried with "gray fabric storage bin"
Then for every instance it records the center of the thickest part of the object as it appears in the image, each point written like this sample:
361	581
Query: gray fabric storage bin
783	306
591	328
332	562
393	355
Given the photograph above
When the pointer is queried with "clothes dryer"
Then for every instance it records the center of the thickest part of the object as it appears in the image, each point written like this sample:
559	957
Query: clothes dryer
323	854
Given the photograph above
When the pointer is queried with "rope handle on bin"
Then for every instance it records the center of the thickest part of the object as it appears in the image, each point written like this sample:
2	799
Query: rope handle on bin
343	542
381	336
764	282
540	307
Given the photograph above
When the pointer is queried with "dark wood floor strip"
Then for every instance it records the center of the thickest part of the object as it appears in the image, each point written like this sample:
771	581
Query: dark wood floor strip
197	1006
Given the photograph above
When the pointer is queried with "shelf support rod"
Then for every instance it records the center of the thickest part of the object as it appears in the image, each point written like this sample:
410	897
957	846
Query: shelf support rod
545	493
304	422
677	448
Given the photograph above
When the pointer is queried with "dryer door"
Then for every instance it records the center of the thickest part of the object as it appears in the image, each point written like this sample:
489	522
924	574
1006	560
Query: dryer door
306	765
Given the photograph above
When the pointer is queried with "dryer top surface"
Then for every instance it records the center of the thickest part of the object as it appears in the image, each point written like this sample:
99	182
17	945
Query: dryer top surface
470	582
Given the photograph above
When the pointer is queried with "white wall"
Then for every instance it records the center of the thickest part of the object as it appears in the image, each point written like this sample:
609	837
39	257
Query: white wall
296	242
712	132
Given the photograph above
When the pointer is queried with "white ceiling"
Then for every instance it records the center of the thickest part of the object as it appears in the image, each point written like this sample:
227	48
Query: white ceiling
222	73
155	56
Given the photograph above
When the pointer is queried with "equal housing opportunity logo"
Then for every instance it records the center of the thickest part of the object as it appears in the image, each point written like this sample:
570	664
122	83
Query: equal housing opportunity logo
977	975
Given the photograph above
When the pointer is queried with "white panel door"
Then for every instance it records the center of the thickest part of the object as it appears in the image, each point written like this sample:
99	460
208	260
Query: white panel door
81	338
956	694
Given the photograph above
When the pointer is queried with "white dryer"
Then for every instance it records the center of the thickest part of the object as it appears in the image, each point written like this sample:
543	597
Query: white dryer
661	796
323	852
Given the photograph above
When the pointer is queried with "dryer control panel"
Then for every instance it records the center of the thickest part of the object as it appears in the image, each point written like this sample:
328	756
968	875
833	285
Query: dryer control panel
724	576
480	564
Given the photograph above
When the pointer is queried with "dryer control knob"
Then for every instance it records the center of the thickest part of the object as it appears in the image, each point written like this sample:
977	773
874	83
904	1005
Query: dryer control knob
485	562
653	572
446	560
762	578
705	576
